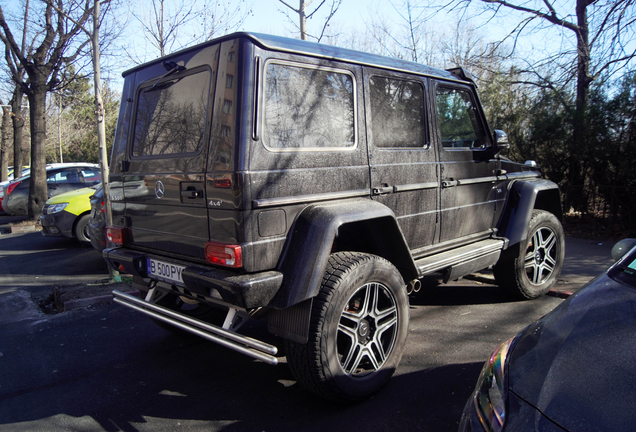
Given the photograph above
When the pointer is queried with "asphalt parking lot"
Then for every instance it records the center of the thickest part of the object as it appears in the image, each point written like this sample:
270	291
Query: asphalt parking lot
103	367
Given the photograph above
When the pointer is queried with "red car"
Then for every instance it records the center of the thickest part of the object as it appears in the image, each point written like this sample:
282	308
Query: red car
5	189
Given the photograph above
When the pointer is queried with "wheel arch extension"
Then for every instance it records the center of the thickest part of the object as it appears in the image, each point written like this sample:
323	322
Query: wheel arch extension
359	225
524	196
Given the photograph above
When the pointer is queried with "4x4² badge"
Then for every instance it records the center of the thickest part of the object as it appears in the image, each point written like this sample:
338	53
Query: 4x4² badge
159	189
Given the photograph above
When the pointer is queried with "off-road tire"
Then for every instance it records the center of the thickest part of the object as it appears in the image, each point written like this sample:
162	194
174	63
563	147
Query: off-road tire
358	328
531	269
81	230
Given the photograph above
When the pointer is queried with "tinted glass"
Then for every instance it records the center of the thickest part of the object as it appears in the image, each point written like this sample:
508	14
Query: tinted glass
91	175
457	119
171	116
308	108
64	176
397	112
625	272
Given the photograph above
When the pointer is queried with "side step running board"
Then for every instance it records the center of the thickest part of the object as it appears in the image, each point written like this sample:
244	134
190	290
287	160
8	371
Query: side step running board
461	255
243	344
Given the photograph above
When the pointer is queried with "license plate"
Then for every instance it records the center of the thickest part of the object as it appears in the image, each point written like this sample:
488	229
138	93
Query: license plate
165	271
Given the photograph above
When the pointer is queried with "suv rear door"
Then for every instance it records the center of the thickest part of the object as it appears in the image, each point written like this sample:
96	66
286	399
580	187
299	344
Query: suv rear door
164	183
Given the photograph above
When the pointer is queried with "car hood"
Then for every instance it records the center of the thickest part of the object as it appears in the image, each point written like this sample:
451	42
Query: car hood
69	196
577	364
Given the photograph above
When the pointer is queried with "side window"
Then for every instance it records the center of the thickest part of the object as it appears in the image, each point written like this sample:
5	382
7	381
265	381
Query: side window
308	108
51	177
397	113
171	116
91	175
65	176
457	117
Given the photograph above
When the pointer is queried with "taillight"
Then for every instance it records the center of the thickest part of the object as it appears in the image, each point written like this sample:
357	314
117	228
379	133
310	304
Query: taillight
225	255
103	207
10	187
118	236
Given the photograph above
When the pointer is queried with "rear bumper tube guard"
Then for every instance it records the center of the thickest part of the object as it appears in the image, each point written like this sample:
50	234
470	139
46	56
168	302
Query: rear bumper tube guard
234	341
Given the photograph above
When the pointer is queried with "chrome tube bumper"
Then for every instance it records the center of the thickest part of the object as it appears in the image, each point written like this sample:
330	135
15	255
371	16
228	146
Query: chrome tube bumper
242	344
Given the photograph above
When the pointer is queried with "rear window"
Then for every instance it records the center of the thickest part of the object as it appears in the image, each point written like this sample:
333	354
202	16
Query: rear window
171	115
308	108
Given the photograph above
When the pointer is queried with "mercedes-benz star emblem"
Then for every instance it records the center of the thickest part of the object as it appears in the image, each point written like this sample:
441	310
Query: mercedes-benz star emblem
159	189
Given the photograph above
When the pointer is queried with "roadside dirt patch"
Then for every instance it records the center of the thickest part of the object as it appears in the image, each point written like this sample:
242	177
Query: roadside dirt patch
52	300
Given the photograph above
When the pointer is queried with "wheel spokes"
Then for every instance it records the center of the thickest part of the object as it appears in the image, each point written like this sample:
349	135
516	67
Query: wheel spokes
367	330
539	260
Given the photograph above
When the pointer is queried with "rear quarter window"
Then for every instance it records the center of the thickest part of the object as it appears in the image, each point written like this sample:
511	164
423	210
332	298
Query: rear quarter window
308	108
171	115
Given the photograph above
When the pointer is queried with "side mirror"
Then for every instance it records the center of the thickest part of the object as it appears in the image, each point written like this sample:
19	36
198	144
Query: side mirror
501	140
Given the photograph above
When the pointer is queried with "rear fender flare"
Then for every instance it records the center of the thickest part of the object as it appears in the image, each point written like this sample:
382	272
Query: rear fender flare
523	197
309	244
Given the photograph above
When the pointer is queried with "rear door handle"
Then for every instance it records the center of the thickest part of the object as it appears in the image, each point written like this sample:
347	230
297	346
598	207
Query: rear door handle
382	190
449	183
192	193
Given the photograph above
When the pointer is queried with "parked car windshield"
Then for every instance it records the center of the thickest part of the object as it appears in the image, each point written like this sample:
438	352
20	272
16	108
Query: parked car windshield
625	271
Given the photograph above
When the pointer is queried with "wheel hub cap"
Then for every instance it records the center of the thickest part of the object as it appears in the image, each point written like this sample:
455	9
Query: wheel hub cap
363	329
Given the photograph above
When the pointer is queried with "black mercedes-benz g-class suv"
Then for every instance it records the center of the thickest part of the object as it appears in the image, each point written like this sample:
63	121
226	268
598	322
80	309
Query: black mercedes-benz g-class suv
256	176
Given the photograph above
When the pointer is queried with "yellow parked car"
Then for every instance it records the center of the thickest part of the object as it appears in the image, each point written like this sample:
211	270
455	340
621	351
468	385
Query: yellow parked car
68	215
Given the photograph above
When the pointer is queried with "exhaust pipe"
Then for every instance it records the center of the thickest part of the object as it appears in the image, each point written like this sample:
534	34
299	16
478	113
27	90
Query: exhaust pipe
414	286
243	344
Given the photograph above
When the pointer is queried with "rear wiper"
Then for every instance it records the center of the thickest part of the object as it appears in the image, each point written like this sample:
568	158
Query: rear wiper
171	67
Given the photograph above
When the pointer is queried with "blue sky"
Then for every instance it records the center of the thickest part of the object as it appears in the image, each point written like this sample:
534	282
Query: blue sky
267	18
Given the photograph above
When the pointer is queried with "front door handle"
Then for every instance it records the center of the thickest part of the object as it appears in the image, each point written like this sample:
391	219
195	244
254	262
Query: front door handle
449	183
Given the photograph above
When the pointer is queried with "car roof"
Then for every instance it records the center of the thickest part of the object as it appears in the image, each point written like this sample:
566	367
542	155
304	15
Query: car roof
53	166
328	52
70	164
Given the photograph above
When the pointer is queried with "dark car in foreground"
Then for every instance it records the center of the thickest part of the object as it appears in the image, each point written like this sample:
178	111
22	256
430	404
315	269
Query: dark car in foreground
572	370
60	178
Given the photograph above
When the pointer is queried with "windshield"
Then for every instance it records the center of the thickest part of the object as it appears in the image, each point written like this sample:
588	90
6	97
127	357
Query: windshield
624	271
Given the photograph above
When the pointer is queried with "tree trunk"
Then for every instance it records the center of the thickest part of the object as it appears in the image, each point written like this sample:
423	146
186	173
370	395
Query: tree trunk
17	119
303	20
100	114
578	152
37	110
4	151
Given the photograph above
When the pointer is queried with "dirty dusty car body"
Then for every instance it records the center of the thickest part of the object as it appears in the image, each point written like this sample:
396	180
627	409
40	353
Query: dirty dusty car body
572	370
261	177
